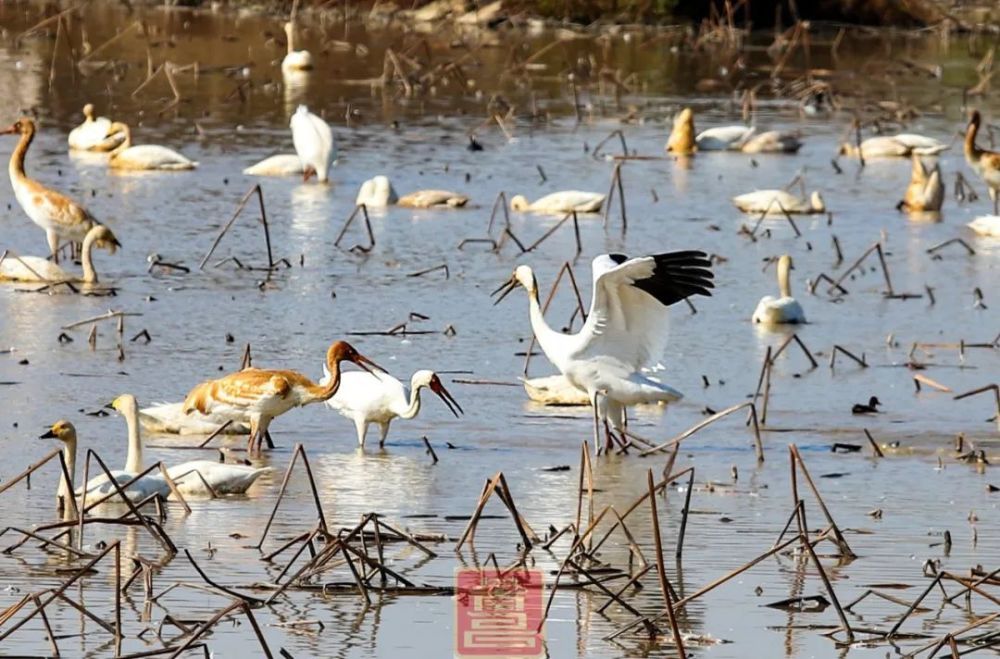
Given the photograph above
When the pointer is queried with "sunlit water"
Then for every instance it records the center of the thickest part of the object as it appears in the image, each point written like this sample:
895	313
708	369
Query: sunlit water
330	292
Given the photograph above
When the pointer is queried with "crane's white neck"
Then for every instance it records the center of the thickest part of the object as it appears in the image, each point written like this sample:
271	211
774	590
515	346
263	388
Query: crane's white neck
550	340
133	460
413	406
784	285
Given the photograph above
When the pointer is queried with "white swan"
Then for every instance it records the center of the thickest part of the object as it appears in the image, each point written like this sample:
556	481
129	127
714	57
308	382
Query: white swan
169	418
560	202
925	191
557	391
95	134
785	309
986	225
295	60
895	146
747	140
772	141
724	138
146	156
283	164
773	201
38	269
433	199
99	486
376	192
314	143
554	390
682	140
190	477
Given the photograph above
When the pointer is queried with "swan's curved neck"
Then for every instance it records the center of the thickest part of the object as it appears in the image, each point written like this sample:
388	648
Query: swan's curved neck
16	166
133	460
784	285
126	143
69	455
89	274
549	339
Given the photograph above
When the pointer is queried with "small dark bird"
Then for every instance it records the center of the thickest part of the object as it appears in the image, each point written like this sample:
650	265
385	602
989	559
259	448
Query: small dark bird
870	408
474	144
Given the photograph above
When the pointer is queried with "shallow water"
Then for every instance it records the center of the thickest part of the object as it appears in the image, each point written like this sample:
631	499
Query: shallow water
328	292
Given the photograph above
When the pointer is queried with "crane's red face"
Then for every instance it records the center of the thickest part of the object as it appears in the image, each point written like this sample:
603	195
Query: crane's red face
438	388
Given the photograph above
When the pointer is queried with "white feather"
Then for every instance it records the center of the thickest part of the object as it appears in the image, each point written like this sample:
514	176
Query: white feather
313	141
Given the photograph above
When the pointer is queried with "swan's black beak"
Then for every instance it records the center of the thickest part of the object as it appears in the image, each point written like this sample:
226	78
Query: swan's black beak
444	395
504	290
49	434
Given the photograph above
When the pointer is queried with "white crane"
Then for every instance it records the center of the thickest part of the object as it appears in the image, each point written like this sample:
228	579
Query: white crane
625	330
366	399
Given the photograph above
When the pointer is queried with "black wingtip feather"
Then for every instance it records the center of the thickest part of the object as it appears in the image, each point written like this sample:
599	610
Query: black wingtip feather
678	275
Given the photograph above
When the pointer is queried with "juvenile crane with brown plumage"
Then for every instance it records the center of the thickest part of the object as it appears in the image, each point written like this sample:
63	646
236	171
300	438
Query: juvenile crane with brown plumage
258	396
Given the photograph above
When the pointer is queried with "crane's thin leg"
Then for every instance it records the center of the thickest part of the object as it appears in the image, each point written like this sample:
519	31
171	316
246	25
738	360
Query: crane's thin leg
996	201
597	426
361	426
609	441
254	425
53	239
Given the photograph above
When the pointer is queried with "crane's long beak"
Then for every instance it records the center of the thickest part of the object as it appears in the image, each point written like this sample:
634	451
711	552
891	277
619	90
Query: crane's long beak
504	290
448	399
9	130
364	363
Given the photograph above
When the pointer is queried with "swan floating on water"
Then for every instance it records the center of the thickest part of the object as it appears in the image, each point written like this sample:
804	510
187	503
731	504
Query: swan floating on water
195	477
38	269
283	164
925	191
95	134
376	192
894	146
747	140
986	225
146	156
773	202
295	60
169	418
560	202
781	310
681	140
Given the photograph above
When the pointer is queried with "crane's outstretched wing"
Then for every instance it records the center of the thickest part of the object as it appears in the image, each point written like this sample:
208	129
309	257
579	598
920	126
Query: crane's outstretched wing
628	311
